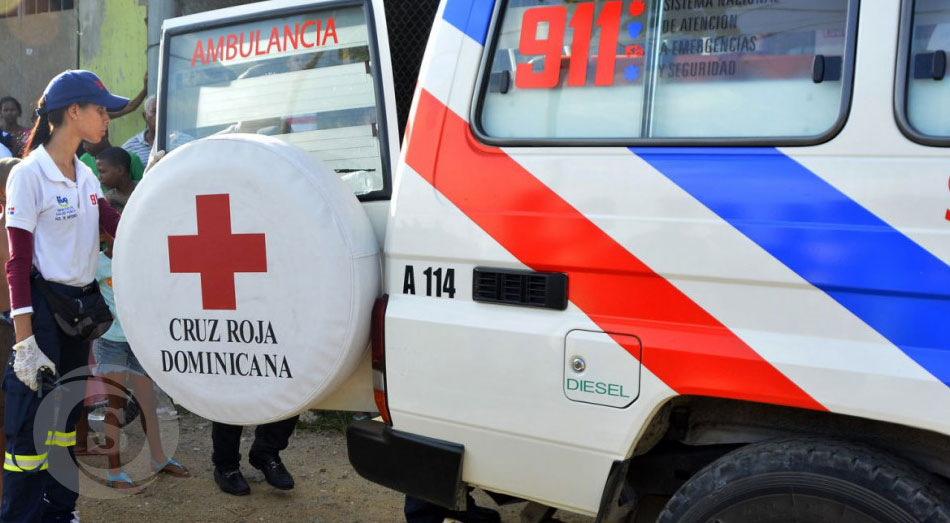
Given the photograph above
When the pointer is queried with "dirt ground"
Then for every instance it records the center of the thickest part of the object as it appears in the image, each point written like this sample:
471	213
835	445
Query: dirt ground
328	489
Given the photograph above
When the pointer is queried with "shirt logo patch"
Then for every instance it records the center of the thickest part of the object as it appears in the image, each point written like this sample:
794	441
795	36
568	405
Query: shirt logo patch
11	210
92	198
62	201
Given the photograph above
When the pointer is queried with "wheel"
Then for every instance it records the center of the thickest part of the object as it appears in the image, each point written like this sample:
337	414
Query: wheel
809	481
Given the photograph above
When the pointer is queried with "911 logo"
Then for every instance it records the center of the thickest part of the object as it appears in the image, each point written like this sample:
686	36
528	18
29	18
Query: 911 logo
554	18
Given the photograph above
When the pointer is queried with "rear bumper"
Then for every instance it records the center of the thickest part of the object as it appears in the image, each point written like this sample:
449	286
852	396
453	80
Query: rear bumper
421	467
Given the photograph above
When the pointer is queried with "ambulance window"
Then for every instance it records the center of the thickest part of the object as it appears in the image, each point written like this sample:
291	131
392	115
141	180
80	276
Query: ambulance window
667	69
306	79
749	70
928	88
562	69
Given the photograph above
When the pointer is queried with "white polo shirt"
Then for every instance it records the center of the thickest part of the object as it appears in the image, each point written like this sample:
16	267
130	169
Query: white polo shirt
62	215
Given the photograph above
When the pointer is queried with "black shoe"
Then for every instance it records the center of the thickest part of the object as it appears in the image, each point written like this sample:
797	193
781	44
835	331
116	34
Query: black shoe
274	471
476	514
231	481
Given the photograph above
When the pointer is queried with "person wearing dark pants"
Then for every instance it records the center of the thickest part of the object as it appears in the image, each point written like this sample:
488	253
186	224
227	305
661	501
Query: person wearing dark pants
26	485
269	440
54	211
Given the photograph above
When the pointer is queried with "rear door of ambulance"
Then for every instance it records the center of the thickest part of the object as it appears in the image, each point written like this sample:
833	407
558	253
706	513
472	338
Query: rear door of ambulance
316	74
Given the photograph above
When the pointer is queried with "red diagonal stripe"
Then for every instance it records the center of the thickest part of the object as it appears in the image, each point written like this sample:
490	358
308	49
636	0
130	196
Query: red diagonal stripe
682	344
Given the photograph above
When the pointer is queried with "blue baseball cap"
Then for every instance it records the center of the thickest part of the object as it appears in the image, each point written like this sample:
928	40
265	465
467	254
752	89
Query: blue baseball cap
77	86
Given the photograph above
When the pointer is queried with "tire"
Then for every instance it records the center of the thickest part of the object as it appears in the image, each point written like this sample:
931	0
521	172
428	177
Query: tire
809	481
245	272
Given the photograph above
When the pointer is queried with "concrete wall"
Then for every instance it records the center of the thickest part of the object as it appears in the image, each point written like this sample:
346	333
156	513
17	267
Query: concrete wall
112	45
35	49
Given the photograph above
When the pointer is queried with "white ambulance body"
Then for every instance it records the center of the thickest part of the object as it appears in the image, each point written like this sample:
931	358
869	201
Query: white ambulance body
629	249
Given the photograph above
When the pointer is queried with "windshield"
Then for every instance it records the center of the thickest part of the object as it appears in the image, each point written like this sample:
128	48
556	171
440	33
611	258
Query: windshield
306	79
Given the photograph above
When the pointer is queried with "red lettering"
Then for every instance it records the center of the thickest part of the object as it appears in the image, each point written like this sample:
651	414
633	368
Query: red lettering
555	16
250	44
199	54
609	22
257	44
291	35
331	26
303	30
232	50
274	40
215	53
581	22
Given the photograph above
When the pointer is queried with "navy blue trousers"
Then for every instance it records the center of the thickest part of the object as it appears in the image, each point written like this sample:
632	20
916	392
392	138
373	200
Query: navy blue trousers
30	492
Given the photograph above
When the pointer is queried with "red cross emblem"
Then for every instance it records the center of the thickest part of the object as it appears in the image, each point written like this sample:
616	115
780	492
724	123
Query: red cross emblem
215	253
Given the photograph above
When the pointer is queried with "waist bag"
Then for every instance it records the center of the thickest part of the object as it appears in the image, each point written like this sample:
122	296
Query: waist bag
84	318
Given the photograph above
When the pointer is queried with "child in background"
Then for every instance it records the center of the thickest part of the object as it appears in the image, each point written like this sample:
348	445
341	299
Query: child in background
115	174
116	362
92	150
118	182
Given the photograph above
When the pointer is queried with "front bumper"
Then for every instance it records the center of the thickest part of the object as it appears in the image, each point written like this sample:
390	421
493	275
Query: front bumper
418	466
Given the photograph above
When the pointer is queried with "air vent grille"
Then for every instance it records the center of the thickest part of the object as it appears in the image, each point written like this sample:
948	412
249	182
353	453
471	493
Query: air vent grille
526	288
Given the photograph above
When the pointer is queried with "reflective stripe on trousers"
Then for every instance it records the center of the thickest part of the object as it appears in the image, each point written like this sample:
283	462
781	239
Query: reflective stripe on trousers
61	439
24	463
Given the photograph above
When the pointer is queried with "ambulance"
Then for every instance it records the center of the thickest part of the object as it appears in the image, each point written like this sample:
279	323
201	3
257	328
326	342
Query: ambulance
599	255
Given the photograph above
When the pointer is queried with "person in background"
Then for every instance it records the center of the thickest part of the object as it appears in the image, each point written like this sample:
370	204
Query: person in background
92	150
269	440
10	113
141	144
6	323
115	362
134	103
114	165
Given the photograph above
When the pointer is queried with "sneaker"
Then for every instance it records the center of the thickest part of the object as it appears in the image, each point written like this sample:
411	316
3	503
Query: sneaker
231	481
274	471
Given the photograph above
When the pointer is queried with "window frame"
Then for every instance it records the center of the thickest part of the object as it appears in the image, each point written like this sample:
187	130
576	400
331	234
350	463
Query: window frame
382	126
844	107
902	77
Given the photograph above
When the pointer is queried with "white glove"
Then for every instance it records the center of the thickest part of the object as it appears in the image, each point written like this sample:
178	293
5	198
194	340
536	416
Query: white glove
29	360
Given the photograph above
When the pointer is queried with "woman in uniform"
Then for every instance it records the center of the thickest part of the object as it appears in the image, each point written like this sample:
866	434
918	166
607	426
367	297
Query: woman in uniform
53	214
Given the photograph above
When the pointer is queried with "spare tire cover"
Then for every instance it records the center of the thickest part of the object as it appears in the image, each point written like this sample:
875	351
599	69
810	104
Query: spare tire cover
245	272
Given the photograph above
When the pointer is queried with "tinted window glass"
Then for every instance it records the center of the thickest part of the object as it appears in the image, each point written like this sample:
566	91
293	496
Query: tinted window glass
305	79
667	69
928	92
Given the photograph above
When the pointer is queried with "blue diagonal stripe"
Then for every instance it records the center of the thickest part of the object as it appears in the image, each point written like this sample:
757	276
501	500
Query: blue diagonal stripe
883	277
470	16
